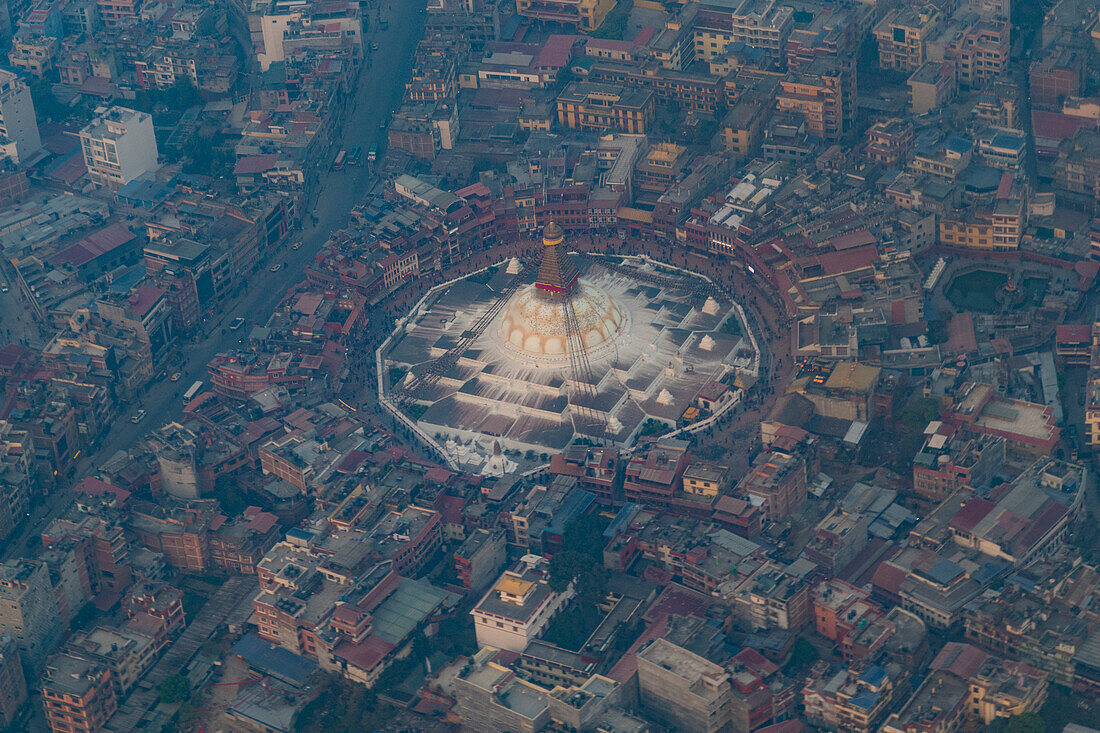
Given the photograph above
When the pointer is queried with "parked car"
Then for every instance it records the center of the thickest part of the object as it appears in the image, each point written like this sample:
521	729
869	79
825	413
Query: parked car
175	377
236	323
276	267
138	417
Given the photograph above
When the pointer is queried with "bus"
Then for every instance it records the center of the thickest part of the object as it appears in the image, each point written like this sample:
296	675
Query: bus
354	156
338	164
191	392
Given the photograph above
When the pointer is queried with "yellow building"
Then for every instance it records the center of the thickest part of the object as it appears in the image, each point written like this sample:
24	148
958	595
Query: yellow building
705	478
587	15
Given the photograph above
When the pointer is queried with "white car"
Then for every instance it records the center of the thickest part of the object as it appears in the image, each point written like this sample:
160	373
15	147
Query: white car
138	417
236	323
276	268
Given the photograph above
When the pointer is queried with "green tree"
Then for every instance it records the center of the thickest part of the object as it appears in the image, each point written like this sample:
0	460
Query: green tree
585	535
229	495
1025	723
803	654
175	688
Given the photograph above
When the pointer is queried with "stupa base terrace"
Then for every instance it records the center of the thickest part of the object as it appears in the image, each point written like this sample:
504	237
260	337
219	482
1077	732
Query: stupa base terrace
662	350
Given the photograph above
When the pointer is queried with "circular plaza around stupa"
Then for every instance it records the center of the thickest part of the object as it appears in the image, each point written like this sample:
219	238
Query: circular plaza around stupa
660	347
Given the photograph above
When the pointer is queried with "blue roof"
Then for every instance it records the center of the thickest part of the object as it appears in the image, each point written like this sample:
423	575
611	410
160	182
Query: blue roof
866	699
123	283
944	571
574	505
274	661
621	520
873	675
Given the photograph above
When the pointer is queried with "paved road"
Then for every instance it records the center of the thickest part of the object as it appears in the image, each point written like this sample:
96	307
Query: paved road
379	89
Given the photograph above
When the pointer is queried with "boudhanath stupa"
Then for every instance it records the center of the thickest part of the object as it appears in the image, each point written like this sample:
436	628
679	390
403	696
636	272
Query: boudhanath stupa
652	345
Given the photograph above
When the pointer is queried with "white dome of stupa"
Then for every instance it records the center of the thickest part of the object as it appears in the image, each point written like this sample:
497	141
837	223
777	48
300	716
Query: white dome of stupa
534	323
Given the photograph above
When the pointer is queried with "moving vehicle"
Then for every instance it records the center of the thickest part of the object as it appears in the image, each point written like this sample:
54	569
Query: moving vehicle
236	323
138	417
276	267
338	164
296	246
374	47
175	377
372	155
354	156
4	288
192	391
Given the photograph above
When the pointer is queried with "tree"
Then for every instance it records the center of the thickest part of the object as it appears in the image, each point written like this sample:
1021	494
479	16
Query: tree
585	534
1025	723
228	493
175	688
803	654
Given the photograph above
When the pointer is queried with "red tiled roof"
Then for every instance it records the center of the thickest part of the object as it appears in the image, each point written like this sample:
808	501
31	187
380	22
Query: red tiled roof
1074	333
836	263
262	522
255	164
94	245
144	298
962	660
366	655
975	511
888	577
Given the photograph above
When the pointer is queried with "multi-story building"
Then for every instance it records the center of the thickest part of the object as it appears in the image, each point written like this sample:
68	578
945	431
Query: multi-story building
479	559
823	93
683	690
760	24
1003	149
517	608
949	461
836	541
128	654
772	597
1077	169
902	35
654	474
18	126
77	695
283	27
852	700
778	481
17	478
158	600
931	86
118	13
705	478
29	609
981	51
592	106
599	470
888	142
119	146
13	687
1056	76
586	15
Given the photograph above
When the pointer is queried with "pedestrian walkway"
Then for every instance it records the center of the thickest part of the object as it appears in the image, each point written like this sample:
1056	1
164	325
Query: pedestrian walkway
134	714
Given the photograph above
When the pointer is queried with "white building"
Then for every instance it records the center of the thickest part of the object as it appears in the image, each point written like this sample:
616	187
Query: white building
119	146
279	27
516	609
18	126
